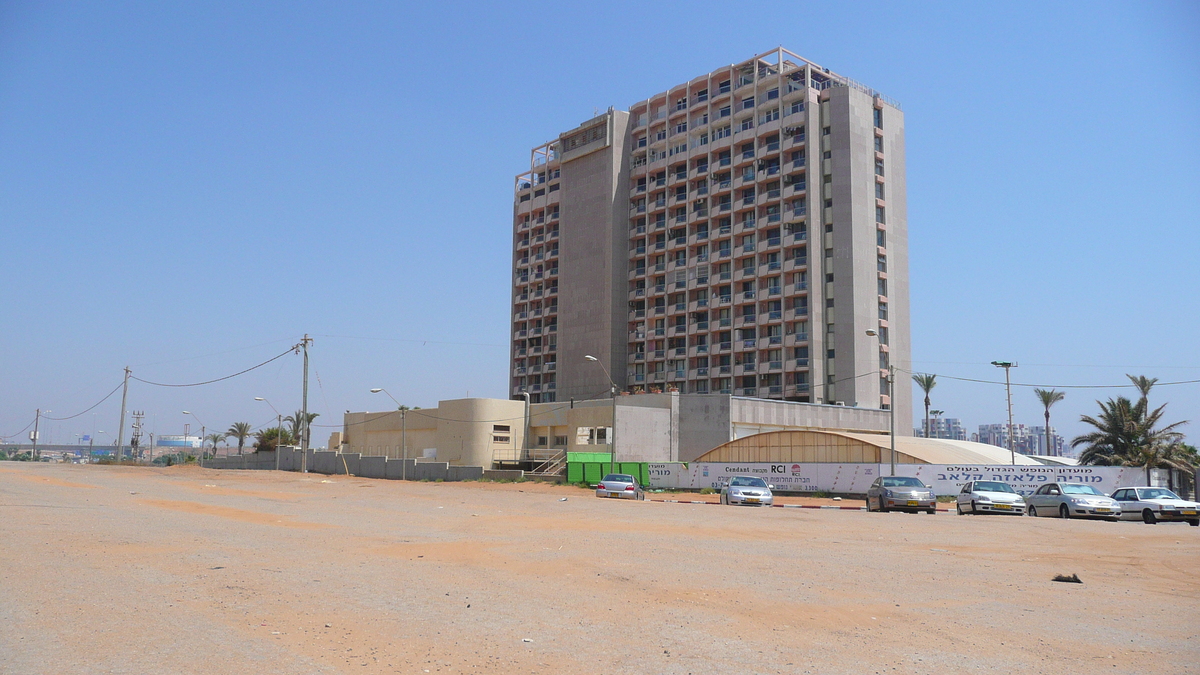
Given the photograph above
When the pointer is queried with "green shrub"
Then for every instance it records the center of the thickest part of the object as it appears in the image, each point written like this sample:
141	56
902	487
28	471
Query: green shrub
708	491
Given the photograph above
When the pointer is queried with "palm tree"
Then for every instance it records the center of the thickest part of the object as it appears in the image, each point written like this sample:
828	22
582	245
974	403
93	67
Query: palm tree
926	382
1144	385
298	424
240	431
214	438
1127	435
1048	398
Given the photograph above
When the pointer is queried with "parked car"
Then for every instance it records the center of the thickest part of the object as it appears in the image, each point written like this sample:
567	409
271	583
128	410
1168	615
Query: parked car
1153	504
748	491
990	496
902	493
1072	500
620	486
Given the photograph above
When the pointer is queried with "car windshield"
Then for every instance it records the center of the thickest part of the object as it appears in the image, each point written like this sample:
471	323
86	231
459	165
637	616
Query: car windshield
1157	493
1069	489
902	481
747	481
992	486
618	478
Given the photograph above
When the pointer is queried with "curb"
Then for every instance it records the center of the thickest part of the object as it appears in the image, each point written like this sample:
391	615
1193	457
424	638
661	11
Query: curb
779	506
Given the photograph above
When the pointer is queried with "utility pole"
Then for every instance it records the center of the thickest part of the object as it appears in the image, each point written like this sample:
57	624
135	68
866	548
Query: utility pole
1008	388
121	428
304	409
37	418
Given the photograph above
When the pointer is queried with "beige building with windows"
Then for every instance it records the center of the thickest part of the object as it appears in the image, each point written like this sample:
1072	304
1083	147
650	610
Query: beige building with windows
668	427
736	234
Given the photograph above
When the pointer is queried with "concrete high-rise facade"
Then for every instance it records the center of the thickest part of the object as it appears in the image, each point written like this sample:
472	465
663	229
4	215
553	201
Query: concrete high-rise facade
738	233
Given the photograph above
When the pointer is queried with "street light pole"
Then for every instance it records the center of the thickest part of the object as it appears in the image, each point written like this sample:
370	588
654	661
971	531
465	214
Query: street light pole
1006	365
891	385
612	457
279	430
403	431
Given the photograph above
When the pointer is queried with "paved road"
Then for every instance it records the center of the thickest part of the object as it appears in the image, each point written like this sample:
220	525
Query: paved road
185	570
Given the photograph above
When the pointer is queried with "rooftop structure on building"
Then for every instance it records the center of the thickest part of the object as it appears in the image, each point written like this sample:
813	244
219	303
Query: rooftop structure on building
737	233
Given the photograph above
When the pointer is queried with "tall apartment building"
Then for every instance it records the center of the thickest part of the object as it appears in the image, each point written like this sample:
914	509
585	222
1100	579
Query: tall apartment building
1026	440
738	233
950	428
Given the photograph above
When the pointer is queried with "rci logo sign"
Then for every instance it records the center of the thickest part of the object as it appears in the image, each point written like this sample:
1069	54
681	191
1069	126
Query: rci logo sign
795	469
778	468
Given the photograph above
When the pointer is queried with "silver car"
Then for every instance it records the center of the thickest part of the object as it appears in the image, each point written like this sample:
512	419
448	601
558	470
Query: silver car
1072	500
748	491
620	486
1153	504
990	496
900	493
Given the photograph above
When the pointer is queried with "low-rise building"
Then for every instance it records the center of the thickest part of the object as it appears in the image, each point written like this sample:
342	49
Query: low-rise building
666	427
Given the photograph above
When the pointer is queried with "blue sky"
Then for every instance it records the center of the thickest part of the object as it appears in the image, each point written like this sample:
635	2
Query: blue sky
188	189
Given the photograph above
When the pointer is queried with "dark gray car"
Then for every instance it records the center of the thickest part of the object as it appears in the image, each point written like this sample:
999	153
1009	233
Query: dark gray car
900	493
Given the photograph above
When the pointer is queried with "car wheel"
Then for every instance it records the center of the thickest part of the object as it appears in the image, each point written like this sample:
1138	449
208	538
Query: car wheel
1063	511
882	508
1033	511
1148	517
959	507
932	510
1194	523
868	501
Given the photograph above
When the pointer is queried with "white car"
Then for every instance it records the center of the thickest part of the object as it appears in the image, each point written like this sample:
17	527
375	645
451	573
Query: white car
1152	504
990	496
748	491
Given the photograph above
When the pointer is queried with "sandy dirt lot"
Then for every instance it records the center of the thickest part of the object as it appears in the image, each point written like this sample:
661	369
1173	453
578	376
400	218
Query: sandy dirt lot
186	570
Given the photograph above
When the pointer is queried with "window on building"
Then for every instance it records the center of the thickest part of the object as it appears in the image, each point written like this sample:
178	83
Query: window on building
879	214
878	118
747	123
829	354
880	238
748	103
879	167
883	310
829	303
879	191
878	144
773	94
828	154
825	131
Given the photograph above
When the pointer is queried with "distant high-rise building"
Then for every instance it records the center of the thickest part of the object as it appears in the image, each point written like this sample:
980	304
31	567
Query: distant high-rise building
1038	445
738	233
943	427
1026	440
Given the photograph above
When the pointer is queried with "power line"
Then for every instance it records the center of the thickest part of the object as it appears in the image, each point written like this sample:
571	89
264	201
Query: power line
423	342
19	432
204	356
1053	386
219	379
106	396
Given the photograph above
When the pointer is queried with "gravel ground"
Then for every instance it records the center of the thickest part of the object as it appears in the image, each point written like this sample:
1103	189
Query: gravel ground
187	570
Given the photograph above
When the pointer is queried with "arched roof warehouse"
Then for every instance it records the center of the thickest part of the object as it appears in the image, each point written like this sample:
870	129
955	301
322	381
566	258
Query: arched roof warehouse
837	447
